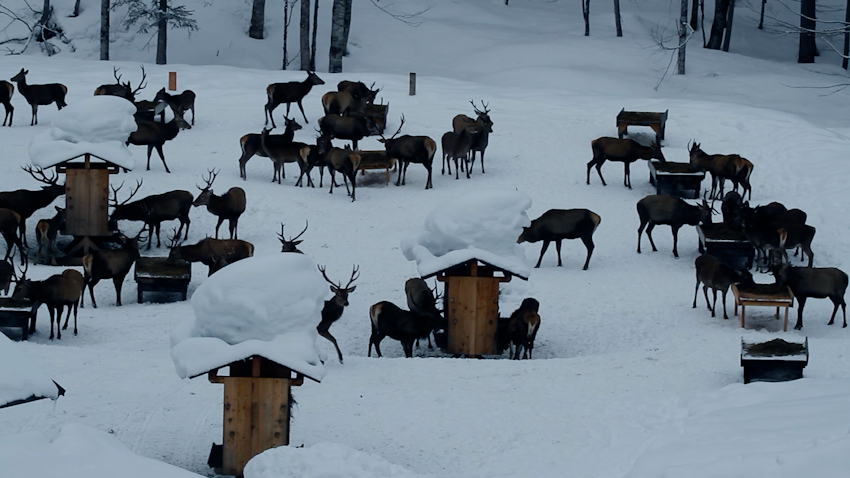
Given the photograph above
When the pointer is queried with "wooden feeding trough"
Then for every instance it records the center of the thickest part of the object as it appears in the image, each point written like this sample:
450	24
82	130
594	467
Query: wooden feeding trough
155	274
656	121
15	314
376	159
471	304
378	113
776	360
676	179
726	244
766	295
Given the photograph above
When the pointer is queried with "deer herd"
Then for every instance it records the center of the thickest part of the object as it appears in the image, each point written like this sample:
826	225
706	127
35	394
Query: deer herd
771	229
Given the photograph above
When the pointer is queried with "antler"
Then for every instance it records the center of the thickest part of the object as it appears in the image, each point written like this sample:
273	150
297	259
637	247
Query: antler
282	239
38	175
114	200
116	75
142	83
322	270
477	111
173	239
397	131
355	274
209	179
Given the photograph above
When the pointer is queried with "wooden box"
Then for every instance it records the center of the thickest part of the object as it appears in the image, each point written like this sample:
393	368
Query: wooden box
765	295
86	200
15	314
774	361
656	121
155	274
376	159
676	179
726	244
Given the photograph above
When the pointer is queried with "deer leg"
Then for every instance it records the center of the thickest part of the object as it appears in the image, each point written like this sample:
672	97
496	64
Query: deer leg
302	112
640	232
52	311
445	160
234	232
404	178
376	339
158	225
161	156
627	181
33	122
542	251
119	282
696	292
558	249
186	219
428	183
705	292
482	160
92	283
649	229
588	243
326	334
589	167
725	315
220	220
714	302
799	324
331	170
193	114
270	113
675	241
150	150
22	229
67	318
398	177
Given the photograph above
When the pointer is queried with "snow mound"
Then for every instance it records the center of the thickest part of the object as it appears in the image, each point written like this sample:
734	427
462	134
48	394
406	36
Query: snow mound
323	460
99	125
480	225
24	379
266	306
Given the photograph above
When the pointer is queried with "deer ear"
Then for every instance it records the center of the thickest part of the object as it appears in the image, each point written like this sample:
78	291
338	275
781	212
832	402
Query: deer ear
333	289
297	242
351	289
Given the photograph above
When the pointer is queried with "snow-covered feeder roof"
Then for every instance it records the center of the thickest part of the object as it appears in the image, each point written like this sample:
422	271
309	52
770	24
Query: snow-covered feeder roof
99	125
267	306
21	380
481	225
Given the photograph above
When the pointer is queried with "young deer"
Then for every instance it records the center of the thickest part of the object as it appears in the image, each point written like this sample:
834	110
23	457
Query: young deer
281	152
110	264
625	151
40	94
229	205
559	224
179	104
57	292
45	235
292	91
154	135
6	91
334	307
346	162
251	144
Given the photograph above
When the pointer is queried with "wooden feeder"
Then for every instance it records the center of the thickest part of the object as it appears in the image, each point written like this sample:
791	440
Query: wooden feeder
256	411
656	121
676	179
776	360
471	295
726	244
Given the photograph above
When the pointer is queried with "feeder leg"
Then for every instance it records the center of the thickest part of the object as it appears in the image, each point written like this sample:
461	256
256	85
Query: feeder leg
785	325
743	313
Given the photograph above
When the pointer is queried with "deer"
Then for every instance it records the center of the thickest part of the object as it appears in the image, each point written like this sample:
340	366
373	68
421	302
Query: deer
353	128
626	151
9	226
342	103
26	202
57	292
519	330
658	209
458	146
123	90
346	162
6	91
718	276
213	253
559	224
229	205
334	307
289	92
281	151
7	276
722	167
484	126
154	135
316	158
291	244
110	264
817	283
45	235
251	144
421	301
152	210
179	104
410	149
147	110
358	89
37	95
389	320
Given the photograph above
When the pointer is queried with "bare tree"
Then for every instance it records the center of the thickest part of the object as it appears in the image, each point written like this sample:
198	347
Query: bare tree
104	29
258	19
683	37
846	36
718	26
337	36
585	11
808	49
287	19
731	15
157	13
305	34
617	21
315	29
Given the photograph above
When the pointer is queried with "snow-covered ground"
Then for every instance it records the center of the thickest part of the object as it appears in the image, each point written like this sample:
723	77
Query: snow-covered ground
626	375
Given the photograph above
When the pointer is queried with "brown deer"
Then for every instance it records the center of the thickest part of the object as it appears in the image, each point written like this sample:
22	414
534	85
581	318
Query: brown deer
626	151
45	235
213	253
346	162
358	89
316	159
292	91
40	94
660	209
817	283
110	264
352	128
251	144
410	149
123	90
179	104
291	244
718	276
483	125
57	292
26	202
229	205
559	224
389	320
457	146
281	152
6	91
519	330
421	300
342	103
152	210
154	135
9	227
334	307
723	167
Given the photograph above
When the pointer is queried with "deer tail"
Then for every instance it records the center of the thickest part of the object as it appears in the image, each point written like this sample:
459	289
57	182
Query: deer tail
532	320
783	236
596	218
374	312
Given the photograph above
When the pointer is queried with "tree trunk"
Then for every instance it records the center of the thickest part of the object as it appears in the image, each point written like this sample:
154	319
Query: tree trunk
104	29
315	29
617	20
585	11
808	49
846	35
347	26
728	35
76	9
285	33
695	14
258	19
721	8
337	37
761	16
162	33
305	34
45	13
683	35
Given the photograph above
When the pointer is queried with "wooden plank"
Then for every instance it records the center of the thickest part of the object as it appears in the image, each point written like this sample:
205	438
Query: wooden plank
87	193
273	417
486	316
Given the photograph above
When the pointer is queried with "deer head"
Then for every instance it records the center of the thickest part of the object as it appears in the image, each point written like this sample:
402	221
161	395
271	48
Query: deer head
39	175
483	115
341	293
206	191
385	140
291	244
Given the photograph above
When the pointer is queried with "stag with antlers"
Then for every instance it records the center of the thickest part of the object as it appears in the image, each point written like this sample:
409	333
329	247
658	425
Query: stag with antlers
124	90
483	126
334	307
410	149
26	202
291	244
229	205
152	210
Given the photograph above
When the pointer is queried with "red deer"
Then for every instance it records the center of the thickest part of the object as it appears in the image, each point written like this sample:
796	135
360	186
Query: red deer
26	202
45	235
7	276
559	224
389	320
179	104
457	146
316	159
718	276
722	167
213	253
147	110
817	283
123	90
229	205
291	244
762	225
110	264
520	329
6	91
251	144
410	149
40	94
281	152
625	151
358	89
353	128
9	226
152	210
483	124
333	308
421	301
57	292
657	209
154	135
342	103
346	162
292	91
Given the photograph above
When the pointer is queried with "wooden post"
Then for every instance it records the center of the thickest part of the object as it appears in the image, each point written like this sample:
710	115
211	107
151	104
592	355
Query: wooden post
412	84
172	81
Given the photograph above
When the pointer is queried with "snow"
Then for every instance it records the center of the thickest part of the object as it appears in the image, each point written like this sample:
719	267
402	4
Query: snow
323	460
266	305
626	374
479	225
20	377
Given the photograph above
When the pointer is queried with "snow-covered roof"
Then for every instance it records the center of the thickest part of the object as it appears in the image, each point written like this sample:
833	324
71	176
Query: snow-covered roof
323	460
482	225
99	125
267	306
21	380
